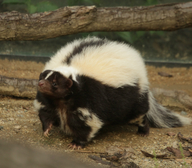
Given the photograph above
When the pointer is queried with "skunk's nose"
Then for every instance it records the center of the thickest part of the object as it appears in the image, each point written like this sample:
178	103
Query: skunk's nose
41	83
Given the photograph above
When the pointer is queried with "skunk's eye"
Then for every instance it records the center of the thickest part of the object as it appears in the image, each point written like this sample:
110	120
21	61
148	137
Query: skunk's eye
54	84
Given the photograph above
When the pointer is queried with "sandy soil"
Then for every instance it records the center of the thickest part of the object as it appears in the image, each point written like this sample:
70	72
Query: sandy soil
19	121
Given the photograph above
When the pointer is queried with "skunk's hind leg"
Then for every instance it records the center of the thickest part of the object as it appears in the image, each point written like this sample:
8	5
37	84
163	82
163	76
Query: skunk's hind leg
140	110
143	127
84	125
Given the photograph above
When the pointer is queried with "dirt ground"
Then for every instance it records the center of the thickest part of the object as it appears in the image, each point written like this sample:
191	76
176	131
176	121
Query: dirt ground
19	122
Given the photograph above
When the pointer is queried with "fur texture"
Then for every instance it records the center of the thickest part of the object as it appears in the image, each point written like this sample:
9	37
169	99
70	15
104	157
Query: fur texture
94	82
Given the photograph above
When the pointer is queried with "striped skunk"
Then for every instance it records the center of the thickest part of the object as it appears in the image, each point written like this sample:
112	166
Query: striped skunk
94	82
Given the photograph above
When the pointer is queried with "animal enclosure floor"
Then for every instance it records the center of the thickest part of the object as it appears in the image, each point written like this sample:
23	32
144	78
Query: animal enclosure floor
19	122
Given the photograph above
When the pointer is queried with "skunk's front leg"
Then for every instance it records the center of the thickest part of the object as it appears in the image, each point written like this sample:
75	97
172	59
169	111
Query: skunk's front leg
84	125
47	130
48	119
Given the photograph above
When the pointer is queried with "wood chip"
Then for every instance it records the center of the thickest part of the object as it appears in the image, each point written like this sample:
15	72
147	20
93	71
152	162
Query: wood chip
178	153
164	156
183	139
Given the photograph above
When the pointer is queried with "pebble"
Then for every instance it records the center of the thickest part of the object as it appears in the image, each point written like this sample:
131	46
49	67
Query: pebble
20	115
183	113
2	122
175	144
1	127
133	157
18	127
11	119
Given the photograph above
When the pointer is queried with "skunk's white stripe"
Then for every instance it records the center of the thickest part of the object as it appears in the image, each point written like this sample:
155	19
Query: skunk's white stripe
37	105
113	64
59	58
92	120
64	70
67	71
49	74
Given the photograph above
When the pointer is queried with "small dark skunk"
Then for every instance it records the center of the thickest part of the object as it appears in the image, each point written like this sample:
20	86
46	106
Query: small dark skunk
95	82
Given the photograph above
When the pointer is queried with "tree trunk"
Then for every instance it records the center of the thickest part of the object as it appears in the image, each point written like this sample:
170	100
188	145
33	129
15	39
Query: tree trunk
71	20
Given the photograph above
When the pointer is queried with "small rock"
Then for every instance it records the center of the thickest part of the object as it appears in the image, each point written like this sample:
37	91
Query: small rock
113	149
175	144
11	119
183	113
133	157
1	127
20	115
18	127
1	122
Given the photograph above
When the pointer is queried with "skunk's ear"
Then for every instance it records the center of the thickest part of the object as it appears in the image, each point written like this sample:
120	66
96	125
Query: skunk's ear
69	83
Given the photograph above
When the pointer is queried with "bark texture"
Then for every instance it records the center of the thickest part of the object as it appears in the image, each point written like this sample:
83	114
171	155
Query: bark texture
71	20
26	88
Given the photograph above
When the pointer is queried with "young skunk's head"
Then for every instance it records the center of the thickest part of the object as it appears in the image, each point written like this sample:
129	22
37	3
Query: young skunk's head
54	85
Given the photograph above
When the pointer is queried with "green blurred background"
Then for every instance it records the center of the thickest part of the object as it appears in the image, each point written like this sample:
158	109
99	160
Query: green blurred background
157	46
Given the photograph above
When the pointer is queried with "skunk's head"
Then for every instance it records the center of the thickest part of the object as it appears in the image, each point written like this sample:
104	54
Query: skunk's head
54	84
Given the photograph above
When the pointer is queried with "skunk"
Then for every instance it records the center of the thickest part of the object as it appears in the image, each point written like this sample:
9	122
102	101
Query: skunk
93	82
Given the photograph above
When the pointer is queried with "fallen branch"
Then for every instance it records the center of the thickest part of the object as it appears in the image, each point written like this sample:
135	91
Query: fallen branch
71	20
18	87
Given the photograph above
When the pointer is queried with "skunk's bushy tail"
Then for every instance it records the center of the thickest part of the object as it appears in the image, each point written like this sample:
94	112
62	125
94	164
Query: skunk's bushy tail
161	117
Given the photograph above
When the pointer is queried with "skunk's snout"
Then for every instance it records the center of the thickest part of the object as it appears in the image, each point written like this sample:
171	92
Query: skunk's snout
41	83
